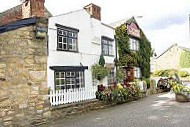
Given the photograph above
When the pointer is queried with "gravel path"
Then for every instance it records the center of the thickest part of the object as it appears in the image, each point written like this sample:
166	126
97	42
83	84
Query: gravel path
160	110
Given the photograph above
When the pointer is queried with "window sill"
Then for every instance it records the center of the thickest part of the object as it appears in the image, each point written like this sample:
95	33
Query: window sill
67	51
108	55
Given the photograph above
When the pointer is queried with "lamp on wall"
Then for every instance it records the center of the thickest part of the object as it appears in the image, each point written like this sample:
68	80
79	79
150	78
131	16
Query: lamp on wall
41	32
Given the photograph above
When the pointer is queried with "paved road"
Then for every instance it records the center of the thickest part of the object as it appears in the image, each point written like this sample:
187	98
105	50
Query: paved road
160	110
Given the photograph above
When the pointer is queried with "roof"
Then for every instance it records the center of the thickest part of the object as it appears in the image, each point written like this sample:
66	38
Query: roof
18	24
19	7
120	22
68	13
82	10
184	48
108	26
69	68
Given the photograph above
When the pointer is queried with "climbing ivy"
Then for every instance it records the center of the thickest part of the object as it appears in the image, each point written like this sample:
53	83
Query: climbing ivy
185	59
139	58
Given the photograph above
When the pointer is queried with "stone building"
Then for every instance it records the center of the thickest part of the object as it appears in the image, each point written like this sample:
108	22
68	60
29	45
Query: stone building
23	65
175	57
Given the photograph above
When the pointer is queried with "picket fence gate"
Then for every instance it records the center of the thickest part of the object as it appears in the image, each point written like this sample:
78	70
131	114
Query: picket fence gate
60	97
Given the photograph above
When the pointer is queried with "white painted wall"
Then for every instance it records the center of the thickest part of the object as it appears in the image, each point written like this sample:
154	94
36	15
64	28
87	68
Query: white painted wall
89	44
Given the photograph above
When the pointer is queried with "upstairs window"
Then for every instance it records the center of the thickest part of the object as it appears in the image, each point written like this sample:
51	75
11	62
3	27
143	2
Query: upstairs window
134	44
67	38
107	46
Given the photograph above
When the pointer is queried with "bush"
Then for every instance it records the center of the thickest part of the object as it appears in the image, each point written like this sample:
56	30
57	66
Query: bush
181	89
99	72
118	93
164	73
183	73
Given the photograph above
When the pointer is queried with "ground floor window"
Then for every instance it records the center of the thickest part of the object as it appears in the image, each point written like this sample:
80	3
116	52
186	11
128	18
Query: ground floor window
69	79
111	77
137	72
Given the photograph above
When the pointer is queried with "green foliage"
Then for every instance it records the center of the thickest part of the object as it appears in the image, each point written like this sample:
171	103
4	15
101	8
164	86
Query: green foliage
185	59
102	61
99	72
181	89
170	73
140	58
121	75
165	73
183	73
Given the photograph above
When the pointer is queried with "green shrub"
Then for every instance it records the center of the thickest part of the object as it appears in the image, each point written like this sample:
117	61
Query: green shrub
99	72
102	61
183	73
164	73
185	59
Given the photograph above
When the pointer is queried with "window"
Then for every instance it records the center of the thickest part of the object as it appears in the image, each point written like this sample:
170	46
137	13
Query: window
69	79
67	38
111	77
134	44
137	72
107	46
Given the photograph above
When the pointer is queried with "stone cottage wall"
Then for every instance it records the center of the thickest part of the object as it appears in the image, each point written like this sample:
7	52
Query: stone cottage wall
23	77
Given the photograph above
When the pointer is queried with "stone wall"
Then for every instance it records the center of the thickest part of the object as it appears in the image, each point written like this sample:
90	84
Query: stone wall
23	77
66	110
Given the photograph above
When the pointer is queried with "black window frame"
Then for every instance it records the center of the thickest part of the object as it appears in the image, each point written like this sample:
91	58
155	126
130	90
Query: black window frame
70	77
111	76
137	43
110	42
68	30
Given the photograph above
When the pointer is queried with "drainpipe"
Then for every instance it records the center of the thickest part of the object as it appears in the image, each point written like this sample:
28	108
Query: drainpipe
116	52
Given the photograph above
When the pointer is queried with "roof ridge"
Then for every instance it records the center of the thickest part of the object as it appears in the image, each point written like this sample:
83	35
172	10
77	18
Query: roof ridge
68	12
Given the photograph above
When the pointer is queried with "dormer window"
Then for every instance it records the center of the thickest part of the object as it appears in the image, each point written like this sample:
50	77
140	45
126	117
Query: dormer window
67	38
134	44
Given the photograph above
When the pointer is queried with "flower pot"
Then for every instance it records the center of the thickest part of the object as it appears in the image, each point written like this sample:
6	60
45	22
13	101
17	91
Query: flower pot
181	98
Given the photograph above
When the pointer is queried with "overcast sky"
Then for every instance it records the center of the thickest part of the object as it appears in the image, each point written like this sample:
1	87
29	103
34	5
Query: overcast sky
165	22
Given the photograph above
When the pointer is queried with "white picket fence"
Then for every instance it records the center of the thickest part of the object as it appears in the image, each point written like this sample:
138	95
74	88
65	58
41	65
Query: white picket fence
60	97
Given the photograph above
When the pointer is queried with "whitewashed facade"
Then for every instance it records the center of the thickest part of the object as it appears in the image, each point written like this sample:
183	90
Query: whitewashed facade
87	33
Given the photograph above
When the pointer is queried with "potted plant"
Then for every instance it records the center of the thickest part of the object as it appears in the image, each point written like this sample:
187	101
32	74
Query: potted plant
182	92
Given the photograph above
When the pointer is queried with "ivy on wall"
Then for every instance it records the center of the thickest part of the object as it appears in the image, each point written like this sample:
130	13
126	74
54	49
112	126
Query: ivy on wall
185	59
139	58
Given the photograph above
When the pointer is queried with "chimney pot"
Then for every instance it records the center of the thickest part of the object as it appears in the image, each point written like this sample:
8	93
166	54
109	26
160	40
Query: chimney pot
94	11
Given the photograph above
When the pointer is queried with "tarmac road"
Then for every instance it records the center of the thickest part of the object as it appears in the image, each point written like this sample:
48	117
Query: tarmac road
159	110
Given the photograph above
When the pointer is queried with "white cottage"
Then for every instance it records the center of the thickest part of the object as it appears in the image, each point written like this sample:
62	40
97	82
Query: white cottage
76	41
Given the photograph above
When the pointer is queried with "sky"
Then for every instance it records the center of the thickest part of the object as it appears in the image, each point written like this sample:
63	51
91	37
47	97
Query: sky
164	22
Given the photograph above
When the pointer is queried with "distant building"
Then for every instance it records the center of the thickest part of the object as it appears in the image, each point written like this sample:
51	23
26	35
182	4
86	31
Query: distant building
175	57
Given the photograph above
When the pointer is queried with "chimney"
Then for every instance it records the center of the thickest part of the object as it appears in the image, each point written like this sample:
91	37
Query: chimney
31	8
94	11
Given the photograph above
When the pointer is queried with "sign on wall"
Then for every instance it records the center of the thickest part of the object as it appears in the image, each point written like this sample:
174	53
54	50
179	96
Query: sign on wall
133	30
